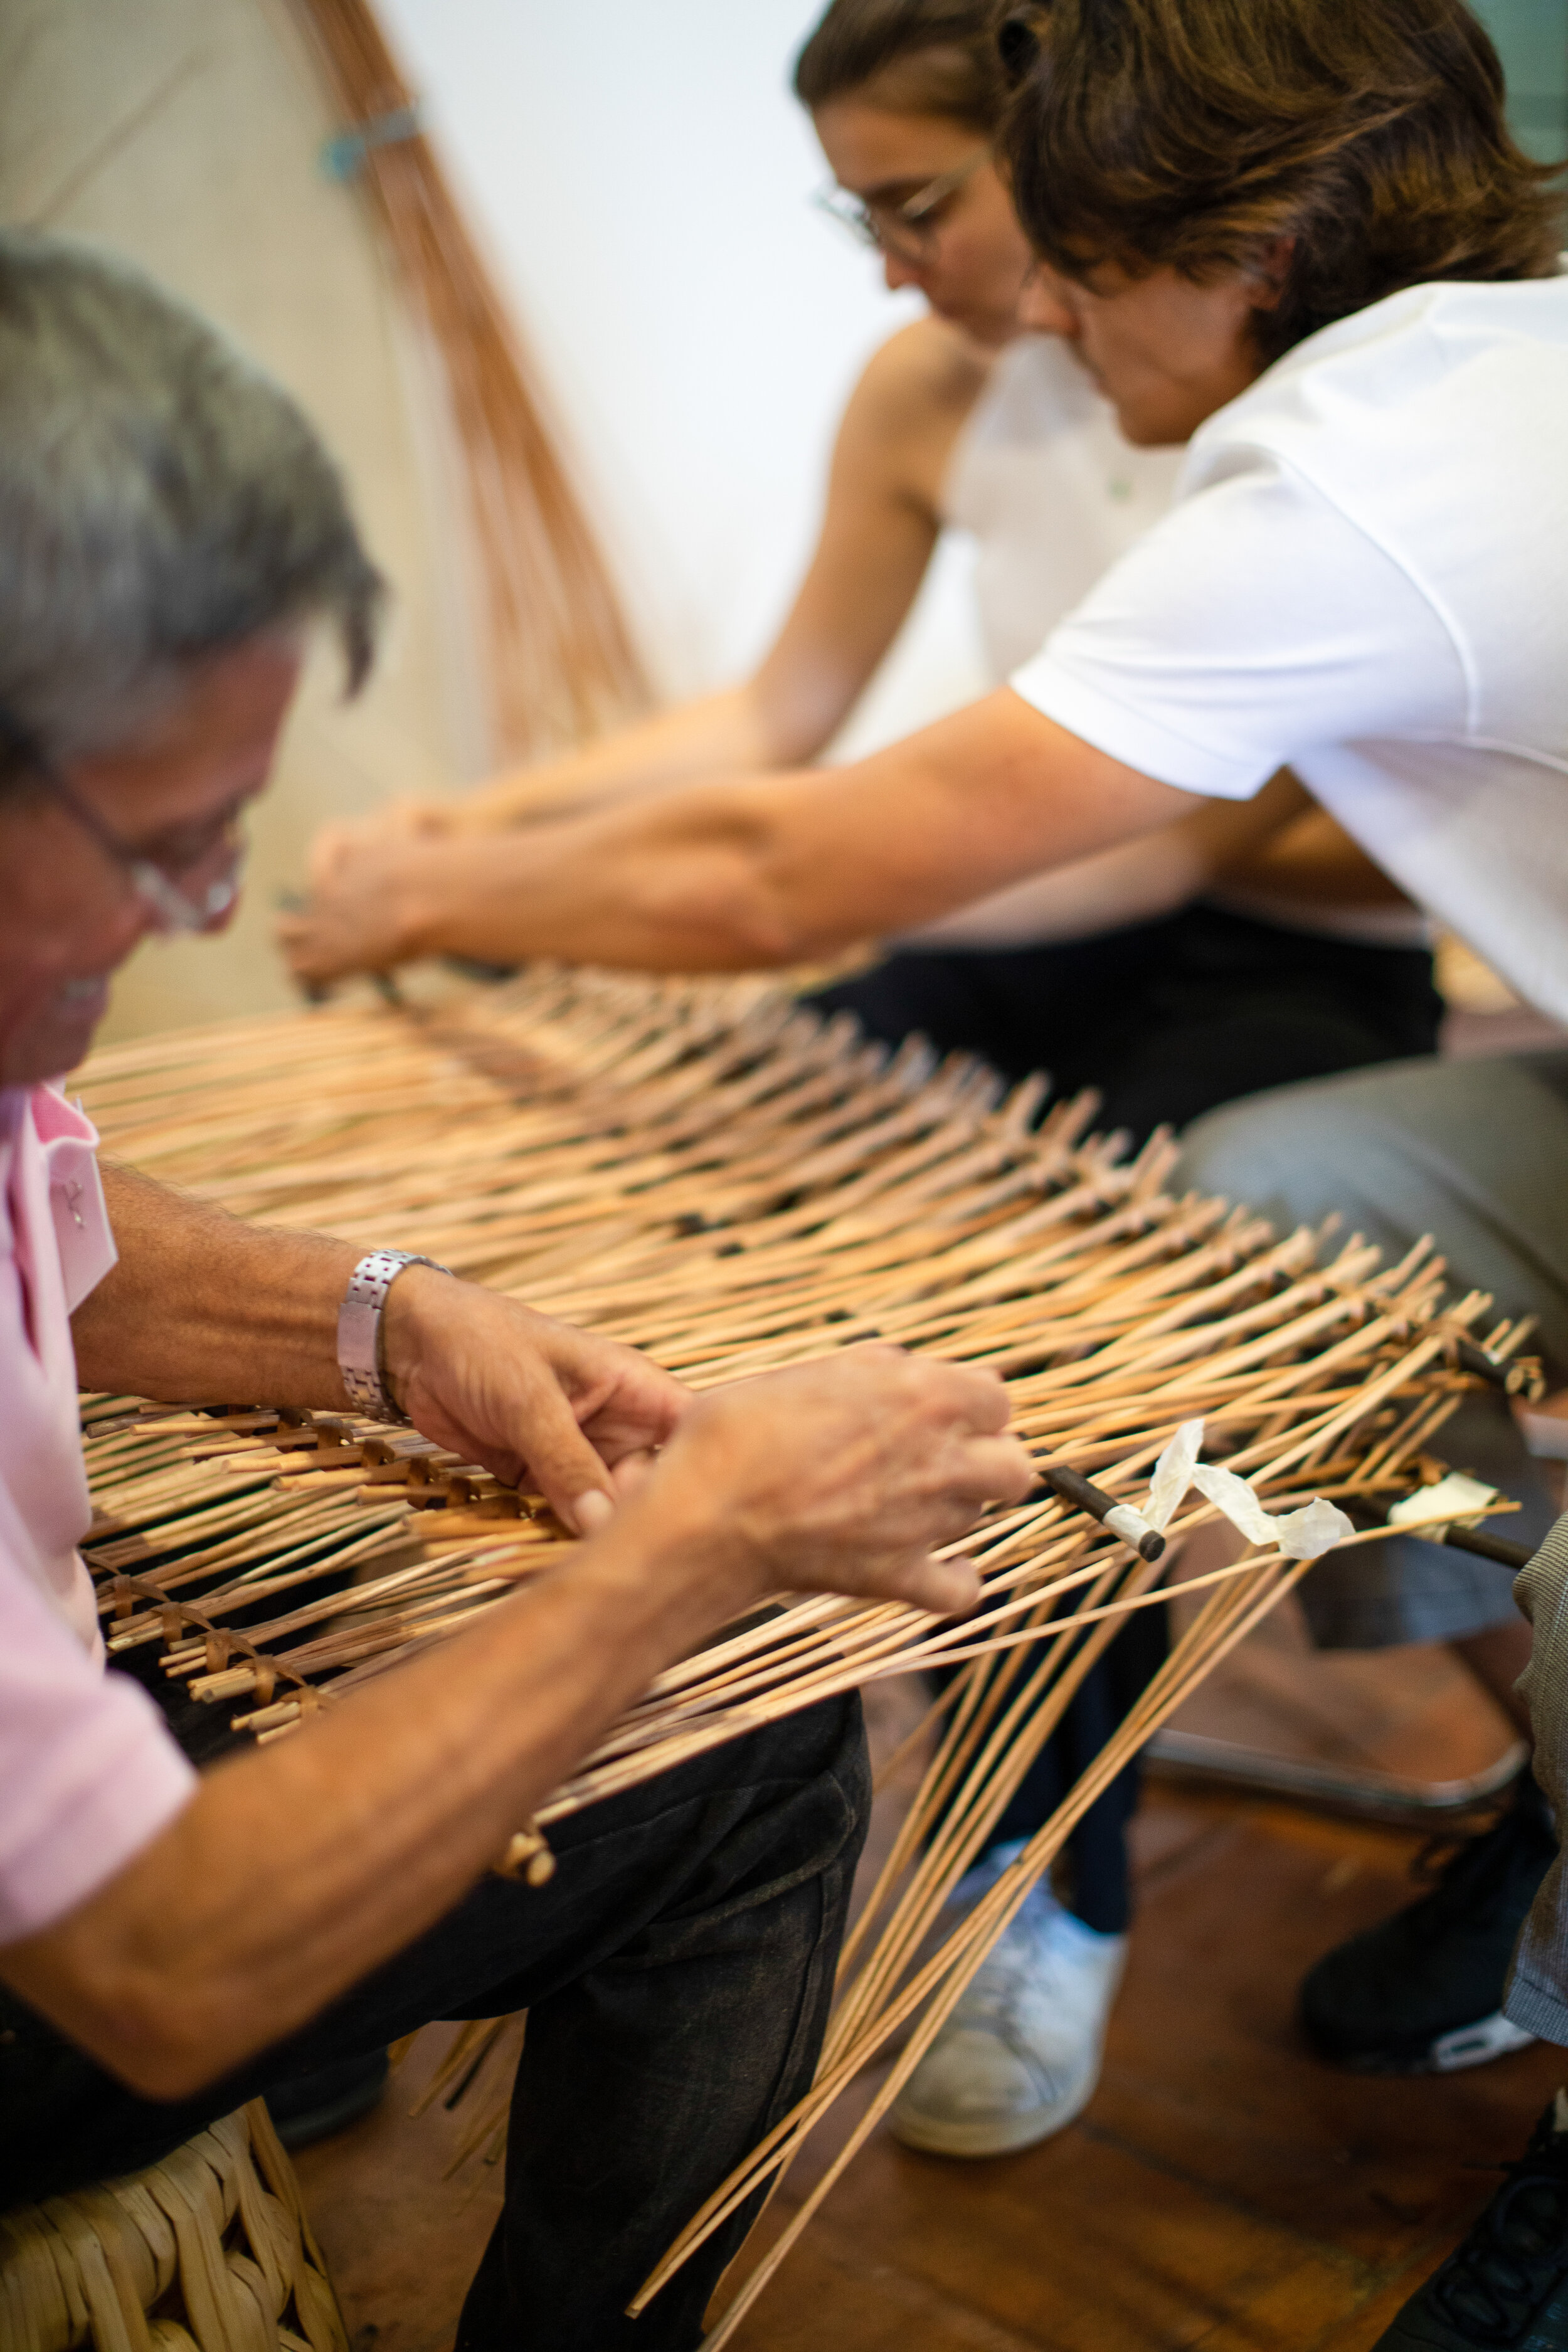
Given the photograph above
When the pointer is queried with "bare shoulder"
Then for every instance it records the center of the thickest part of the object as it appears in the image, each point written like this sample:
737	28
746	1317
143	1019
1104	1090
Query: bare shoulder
912	400
926	374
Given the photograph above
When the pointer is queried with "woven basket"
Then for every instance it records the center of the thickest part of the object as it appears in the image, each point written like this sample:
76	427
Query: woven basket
207	2251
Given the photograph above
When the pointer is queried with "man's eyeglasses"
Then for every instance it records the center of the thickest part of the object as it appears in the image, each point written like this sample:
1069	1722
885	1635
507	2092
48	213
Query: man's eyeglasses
910	229
158	881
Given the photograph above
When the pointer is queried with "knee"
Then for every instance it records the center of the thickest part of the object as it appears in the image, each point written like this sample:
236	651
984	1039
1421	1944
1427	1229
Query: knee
812	1762
833	1741
1268	1153
1295	1154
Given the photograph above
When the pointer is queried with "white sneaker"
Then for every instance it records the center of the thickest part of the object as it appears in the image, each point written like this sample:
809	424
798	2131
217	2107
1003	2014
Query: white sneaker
1021	2054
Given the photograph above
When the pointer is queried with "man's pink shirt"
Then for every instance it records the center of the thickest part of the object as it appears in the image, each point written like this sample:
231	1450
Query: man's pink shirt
89	1773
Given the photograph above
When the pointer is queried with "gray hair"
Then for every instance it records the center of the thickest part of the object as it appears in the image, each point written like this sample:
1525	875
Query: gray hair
161	500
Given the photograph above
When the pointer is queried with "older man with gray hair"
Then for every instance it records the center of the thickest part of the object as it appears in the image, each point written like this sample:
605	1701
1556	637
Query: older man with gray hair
170	1944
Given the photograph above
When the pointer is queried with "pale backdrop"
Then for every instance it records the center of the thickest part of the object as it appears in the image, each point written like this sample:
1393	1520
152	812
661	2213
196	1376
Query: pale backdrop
185	133
641	179
645	179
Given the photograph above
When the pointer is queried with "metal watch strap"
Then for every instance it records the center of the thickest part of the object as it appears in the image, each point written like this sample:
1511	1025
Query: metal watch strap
358	1330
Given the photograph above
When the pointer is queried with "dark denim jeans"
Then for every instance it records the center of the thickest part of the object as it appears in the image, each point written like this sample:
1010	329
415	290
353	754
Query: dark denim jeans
676	1972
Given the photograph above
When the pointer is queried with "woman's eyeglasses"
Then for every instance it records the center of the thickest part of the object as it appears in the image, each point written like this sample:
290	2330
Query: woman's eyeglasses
909	230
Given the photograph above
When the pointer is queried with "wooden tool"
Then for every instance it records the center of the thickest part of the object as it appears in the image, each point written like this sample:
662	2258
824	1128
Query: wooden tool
1149	1543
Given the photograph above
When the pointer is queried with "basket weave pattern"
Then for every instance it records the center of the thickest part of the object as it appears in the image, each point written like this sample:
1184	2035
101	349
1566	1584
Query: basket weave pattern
207	2251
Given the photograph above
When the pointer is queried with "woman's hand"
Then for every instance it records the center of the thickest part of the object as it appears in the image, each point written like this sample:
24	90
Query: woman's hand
362	911
369	899
405	819
842	1477
537	1402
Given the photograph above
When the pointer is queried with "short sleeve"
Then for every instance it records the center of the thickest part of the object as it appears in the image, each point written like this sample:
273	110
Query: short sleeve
89	1773
1254	624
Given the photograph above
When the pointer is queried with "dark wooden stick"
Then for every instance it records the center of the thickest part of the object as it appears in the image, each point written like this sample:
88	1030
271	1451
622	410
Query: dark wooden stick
1516	1376
1072	1488
1472	1539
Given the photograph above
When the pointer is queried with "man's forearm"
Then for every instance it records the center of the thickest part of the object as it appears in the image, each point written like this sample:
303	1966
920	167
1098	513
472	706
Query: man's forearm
774	870
626	887
205	1309
294	1872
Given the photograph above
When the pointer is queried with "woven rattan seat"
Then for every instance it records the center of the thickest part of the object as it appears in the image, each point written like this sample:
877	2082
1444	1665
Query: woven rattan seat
207	2251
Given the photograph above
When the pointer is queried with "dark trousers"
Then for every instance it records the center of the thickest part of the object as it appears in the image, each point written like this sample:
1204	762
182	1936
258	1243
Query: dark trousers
1168	1020
677	1971
1096	1855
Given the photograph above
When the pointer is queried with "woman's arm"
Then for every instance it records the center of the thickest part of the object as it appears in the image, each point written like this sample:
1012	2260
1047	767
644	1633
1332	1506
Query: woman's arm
880	526
1313	859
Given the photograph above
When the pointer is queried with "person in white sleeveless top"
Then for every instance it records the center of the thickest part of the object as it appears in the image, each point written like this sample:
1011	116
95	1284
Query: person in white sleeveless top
1112	973
1302	958
1040	477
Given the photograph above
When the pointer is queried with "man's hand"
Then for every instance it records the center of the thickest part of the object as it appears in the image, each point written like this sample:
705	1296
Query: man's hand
741	873
836	1476
841	1476
537	1402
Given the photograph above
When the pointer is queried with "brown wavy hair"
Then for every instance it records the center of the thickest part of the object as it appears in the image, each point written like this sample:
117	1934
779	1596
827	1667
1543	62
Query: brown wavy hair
909	57
1194	134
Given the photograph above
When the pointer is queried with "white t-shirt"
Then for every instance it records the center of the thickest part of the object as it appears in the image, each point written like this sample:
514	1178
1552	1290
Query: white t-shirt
1365	575
1052	492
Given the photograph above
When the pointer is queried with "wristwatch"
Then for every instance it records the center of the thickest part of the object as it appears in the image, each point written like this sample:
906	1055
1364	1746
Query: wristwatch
361	1359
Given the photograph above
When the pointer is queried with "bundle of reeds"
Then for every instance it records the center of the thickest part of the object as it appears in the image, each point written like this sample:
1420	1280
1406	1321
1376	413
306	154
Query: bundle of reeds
561	662
712	1173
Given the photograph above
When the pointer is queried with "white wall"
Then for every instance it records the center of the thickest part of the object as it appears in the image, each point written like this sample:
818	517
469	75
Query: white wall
186	133
642	178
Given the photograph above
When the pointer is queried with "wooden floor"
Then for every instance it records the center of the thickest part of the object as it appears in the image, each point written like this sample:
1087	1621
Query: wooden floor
1410	1721
1224	2189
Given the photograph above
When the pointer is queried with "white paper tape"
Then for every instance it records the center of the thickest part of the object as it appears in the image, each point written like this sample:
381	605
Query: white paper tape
1306	1534
1462	1497
1129	1524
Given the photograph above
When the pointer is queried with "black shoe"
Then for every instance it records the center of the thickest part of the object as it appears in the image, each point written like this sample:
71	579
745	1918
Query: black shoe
313	2107
1422	1994
1505	2283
